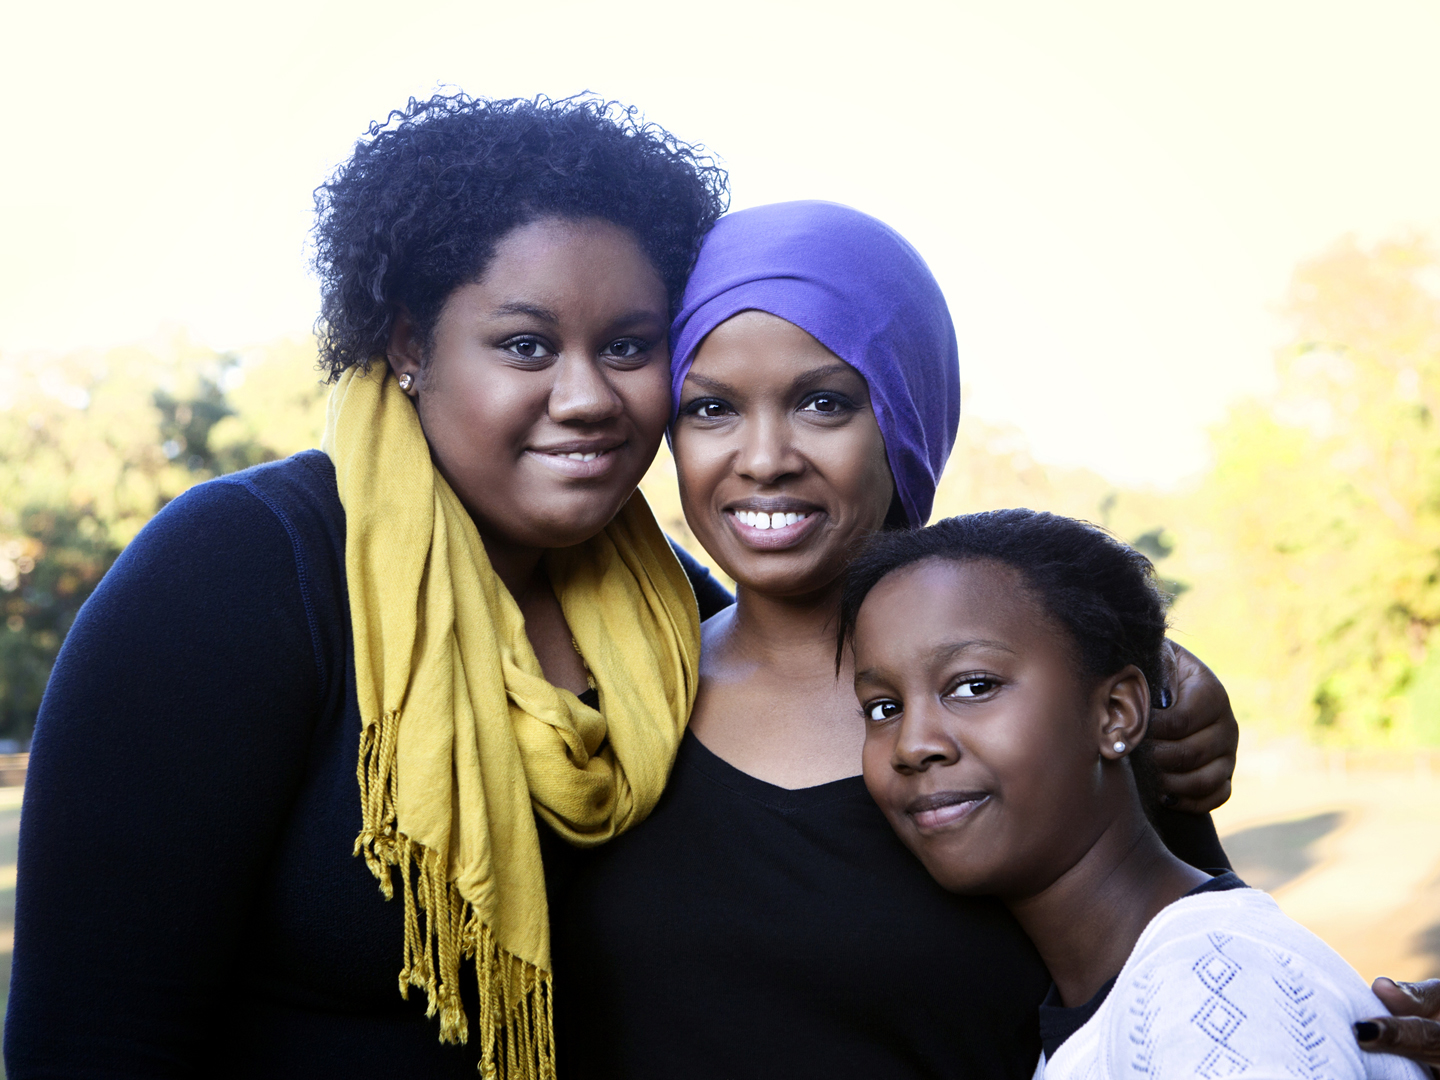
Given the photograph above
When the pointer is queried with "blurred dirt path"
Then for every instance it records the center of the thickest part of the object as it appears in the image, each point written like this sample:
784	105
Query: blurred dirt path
1353	854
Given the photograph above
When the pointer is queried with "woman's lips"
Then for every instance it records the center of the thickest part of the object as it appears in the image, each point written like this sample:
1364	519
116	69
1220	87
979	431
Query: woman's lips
772	531
935	812
577	464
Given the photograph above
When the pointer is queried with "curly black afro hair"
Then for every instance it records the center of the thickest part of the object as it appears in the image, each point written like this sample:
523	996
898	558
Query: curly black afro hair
418	209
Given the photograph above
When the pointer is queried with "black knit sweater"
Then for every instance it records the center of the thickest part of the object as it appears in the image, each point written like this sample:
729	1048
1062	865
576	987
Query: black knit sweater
187	902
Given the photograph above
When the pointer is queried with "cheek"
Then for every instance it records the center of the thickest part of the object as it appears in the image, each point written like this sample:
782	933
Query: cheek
475	427
857	464
886	787
1017	758
646	394
1043	782
875	763
463	389
700	464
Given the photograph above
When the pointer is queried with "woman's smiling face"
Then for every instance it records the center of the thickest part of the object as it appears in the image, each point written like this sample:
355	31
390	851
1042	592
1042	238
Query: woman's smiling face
983	743
546	387
781	463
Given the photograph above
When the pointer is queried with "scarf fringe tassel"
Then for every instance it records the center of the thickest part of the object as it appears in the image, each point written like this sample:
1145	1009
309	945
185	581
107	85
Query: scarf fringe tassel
441	929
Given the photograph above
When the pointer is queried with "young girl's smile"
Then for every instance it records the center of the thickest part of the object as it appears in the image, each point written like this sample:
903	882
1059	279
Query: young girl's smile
1004	663
981	734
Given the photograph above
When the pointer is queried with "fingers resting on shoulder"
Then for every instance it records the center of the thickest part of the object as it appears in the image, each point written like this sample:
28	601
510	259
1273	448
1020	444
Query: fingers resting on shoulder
1414	1029
1195	739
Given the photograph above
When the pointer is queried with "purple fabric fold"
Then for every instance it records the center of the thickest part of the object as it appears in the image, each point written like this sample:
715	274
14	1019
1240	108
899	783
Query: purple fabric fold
857	287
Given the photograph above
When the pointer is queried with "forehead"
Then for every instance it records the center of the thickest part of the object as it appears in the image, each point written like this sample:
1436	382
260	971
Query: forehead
589	261
755	345
941	602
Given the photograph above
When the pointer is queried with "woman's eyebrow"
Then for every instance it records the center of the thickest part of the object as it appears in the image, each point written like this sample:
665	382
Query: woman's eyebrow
715	386
519	307
816	377
950	650
811	376
825	372
544	314
940	654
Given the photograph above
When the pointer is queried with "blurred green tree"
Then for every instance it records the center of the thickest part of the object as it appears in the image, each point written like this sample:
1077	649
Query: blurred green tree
92	446
1321	517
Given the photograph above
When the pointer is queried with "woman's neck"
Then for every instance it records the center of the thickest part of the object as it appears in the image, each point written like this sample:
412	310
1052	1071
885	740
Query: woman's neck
518	568
771	703
786	630
1086	923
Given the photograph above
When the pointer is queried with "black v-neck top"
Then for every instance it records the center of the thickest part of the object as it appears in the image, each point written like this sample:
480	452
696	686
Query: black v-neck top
747	930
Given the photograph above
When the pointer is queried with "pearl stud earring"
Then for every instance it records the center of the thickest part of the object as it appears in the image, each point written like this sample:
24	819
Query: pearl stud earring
1119	748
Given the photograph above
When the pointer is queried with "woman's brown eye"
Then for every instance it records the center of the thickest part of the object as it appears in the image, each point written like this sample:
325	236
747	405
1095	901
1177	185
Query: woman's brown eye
526	348
827	404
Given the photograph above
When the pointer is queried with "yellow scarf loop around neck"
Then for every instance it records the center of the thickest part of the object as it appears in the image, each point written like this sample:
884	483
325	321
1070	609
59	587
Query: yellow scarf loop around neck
463	741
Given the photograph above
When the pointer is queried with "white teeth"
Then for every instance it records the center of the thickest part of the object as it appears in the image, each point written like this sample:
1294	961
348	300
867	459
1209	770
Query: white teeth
765	522
577	456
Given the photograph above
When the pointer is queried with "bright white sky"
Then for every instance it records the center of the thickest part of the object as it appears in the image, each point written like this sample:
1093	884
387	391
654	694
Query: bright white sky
1112	194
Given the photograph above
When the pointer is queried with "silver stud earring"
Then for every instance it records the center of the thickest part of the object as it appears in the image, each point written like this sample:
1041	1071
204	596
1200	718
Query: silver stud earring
406	381
1119	748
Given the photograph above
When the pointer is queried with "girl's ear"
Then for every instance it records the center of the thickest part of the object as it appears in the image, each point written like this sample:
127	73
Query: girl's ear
1124	701
403	352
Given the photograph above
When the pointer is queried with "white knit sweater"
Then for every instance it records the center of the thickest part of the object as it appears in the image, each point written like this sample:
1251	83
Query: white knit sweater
1225	984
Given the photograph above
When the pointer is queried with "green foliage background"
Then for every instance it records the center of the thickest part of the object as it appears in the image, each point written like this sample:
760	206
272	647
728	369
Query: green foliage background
1305	563
93	445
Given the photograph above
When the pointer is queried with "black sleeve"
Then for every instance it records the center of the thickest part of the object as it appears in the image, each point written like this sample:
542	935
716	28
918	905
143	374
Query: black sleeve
1191	837
709	593
170	742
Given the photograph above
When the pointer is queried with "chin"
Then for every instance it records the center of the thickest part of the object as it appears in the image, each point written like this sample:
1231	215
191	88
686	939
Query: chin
569	533
564	525
961	876
780	574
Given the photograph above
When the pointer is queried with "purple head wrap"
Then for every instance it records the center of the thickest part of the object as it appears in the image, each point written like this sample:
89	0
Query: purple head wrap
858	288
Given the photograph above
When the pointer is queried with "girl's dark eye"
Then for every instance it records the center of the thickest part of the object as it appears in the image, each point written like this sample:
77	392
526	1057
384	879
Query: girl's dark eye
827	404
882	710
707	409
528	348
625	349
976	686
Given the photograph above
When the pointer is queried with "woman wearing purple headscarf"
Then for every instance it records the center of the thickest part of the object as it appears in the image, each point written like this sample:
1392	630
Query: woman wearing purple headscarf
765	921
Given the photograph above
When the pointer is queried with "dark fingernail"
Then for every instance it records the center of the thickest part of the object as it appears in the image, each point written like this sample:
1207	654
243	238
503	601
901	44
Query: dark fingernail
1165	699
1168	800
1367	1031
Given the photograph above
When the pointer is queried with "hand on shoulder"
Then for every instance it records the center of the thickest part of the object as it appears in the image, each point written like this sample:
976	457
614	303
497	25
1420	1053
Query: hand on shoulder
1196	738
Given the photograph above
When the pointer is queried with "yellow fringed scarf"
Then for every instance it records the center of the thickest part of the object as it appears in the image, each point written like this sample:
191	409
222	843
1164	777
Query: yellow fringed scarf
463	741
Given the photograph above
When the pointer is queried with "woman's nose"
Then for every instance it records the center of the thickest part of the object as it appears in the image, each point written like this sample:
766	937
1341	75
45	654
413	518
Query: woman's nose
923	741
768	452
581	393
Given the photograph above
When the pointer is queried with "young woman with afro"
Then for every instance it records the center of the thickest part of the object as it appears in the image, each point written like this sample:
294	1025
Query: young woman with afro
462	603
